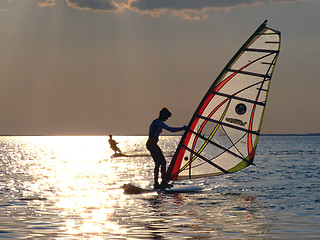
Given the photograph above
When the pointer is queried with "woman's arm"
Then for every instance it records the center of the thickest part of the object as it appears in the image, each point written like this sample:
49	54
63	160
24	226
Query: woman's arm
172	129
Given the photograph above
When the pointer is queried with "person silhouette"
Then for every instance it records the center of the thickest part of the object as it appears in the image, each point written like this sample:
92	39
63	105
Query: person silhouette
154	131
113	145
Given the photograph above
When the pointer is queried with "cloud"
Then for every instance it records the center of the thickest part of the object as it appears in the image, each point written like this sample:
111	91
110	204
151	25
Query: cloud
89	5
184	9
191	9
94	5
47	3
197	5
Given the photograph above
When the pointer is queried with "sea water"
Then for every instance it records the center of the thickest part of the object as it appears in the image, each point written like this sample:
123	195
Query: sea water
70	188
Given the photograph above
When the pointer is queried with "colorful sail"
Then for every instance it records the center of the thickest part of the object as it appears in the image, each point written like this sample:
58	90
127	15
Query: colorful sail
223	133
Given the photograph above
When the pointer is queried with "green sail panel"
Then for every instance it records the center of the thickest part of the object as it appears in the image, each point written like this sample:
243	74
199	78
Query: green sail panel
223	133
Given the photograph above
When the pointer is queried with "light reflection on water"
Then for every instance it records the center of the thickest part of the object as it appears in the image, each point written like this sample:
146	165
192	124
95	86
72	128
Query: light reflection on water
69	188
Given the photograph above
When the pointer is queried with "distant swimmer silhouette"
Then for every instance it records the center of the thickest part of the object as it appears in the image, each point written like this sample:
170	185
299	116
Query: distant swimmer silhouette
113	145
154	131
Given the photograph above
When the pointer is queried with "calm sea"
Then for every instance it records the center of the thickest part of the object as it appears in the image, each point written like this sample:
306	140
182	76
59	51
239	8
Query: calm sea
69	188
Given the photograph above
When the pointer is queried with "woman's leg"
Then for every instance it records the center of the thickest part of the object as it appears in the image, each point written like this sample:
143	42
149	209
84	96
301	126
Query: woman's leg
160	161
156	175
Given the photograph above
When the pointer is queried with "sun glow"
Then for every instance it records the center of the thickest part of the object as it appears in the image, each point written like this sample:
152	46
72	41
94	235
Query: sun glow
76	174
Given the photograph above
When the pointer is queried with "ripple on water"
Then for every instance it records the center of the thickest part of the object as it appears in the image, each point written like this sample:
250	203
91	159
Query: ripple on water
69	188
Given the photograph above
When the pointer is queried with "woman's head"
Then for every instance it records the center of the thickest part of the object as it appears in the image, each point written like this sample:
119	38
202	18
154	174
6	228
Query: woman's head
164	114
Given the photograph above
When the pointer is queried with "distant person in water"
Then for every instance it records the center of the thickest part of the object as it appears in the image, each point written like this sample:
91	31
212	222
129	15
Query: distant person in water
154	131
113	145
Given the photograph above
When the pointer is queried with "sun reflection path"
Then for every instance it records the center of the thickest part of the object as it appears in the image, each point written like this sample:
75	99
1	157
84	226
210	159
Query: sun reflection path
77	174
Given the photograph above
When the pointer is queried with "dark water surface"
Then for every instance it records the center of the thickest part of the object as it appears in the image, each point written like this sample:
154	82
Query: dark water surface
69	188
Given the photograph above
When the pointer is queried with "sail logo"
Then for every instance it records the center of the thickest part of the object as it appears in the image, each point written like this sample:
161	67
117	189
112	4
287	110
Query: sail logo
236	121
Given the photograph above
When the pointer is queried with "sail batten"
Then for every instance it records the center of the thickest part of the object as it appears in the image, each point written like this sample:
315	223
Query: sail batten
261	50
268	63
239	98
223	132
249	73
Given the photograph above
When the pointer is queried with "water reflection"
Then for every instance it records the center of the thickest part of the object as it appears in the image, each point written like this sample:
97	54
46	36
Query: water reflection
195	216
69	187
78	174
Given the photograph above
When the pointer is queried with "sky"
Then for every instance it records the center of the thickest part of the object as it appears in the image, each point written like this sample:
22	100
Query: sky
98	67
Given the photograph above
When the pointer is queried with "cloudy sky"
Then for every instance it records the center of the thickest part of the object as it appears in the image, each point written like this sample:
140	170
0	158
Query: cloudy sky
108	66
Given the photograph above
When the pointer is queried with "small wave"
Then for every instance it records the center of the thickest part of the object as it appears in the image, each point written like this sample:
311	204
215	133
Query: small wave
33	199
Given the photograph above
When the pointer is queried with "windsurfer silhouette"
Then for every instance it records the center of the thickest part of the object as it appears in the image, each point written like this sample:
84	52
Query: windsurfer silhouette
113	145
154	131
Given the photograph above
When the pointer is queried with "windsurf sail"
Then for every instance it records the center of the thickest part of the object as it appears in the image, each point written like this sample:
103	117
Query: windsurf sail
223	133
